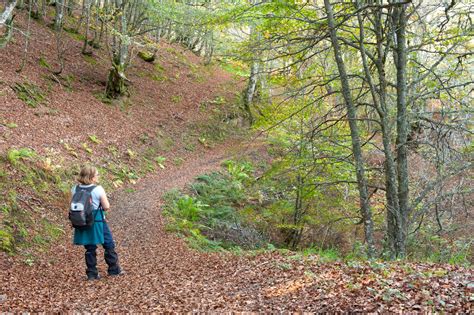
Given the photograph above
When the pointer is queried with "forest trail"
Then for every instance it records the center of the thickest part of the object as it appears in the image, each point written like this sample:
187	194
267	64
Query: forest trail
161	272
164	274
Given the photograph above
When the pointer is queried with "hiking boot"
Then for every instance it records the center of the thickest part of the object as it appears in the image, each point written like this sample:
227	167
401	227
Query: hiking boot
93	278
121	273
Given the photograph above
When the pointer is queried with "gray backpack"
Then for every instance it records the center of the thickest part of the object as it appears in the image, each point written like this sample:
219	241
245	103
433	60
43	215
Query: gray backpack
80	213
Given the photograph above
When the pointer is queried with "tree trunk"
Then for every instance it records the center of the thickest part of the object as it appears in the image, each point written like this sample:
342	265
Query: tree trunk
355	137
400	20
209	49
7	12
27	39
43	9
379	99
88	4
250	90
117	79
81	18
393	208
70	7
104	11
58	20
253	78
296	230
35	11
6	21
95	41
116	82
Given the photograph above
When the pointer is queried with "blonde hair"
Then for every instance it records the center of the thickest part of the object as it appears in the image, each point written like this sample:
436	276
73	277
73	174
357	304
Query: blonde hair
87	174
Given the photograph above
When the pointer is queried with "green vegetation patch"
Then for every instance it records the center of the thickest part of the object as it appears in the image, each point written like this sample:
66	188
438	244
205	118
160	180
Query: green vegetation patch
94	139
90	59
27	221
427	245
101	96
11	125
29	93
209	218
237	68
176	98
74	33
43	63
159	73
146	56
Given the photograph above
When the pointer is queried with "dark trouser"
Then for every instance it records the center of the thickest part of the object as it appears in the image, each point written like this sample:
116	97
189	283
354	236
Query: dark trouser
110	256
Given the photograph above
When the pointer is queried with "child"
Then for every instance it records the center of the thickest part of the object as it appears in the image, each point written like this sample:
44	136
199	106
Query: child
99	233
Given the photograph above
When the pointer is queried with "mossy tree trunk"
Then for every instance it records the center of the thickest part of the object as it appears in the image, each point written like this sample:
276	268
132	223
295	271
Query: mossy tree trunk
400	60
351	109
6	22
116	82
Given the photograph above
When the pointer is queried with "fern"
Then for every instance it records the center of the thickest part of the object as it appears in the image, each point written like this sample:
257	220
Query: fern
14	155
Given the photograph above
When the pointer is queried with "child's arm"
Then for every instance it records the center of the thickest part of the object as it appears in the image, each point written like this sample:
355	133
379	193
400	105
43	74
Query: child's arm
105	202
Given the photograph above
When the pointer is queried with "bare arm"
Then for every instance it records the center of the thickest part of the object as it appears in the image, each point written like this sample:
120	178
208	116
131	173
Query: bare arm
105	202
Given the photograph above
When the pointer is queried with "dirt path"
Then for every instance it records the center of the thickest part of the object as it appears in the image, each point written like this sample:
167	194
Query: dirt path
157	263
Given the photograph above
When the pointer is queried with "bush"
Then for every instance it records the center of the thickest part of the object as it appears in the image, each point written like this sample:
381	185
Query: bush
6	241
212	211
429	246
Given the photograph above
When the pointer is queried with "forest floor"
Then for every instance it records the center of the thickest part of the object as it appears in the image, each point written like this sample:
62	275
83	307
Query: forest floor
162	272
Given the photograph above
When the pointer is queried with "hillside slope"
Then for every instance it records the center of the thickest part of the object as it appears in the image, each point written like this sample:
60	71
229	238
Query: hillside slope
164	96
50	124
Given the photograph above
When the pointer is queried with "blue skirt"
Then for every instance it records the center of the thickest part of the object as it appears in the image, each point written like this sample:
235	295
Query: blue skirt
94	235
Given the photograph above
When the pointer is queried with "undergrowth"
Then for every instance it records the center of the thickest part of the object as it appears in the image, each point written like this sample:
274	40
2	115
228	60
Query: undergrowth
29	93
30	202
224	211
209	216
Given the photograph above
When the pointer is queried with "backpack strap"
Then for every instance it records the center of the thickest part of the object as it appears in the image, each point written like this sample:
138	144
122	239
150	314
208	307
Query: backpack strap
101	210
89	189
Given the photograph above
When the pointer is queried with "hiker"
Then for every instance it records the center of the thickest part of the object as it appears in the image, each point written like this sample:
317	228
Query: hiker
97	231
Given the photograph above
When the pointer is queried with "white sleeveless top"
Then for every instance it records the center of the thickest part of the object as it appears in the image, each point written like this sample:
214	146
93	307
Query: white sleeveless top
96	193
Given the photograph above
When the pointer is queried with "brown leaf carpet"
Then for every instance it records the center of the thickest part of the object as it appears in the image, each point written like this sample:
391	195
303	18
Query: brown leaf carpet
163	274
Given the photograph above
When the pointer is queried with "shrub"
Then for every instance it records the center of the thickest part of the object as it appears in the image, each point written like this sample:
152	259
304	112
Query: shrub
213	210
15	155
189	209
429	246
